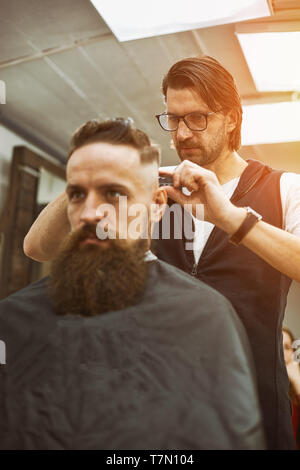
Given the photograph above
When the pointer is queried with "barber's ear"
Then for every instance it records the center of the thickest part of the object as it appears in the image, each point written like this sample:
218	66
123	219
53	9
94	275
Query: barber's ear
231	118
159	204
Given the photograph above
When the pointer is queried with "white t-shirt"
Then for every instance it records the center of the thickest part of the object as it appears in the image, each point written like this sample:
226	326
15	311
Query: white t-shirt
290	201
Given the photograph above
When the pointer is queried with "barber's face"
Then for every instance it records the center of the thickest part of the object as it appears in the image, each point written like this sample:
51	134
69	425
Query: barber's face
107	184
201	147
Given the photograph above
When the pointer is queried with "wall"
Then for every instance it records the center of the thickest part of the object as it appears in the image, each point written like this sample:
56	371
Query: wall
292	313
8	140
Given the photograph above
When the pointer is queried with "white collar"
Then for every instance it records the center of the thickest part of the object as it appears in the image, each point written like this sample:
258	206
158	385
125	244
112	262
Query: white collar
149	256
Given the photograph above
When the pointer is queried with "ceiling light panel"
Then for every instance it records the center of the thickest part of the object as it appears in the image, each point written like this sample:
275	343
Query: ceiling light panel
135	19
273	59
271	123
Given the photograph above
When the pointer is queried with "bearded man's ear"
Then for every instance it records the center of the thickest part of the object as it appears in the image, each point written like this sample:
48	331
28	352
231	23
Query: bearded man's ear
159	204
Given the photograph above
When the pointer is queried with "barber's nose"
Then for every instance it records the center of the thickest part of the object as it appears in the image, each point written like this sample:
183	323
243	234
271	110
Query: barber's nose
91	212
183	132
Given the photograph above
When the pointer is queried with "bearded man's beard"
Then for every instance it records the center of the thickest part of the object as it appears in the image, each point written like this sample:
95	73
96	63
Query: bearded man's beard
90	279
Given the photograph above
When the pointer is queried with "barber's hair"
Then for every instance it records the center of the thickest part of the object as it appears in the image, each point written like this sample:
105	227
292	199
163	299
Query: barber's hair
215	85
118	131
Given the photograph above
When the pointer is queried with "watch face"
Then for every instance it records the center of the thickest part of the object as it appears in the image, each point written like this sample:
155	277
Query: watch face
252	211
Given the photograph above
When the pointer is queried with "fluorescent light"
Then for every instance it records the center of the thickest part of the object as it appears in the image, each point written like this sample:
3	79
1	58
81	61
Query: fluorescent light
271	123
272	59
134	19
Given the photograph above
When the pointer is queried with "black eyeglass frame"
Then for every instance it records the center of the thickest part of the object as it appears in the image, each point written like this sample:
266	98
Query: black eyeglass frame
183	118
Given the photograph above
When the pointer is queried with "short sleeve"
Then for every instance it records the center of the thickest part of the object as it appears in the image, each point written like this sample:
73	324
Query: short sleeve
290	199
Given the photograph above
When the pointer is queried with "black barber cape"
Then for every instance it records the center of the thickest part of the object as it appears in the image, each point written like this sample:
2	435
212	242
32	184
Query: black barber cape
171	372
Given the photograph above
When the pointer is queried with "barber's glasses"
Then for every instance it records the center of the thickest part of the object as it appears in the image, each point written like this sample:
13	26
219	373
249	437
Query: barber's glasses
194	121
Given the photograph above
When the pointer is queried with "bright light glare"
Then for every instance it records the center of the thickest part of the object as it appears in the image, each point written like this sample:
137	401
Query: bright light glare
271	123
134	19
273	59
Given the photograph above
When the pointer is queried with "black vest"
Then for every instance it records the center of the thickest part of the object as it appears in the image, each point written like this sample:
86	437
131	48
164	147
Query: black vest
257	291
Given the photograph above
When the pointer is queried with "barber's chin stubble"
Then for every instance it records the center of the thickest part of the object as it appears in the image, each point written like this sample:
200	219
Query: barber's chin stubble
89	280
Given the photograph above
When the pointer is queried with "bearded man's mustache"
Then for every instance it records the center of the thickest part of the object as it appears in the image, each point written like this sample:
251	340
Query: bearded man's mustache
90	279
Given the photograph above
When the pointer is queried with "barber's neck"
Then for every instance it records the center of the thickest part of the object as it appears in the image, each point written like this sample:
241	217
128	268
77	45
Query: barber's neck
228	166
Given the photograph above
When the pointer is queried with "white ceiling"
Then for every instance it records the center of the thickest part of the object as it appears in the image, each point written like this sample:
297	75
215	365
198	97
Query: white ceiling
62	66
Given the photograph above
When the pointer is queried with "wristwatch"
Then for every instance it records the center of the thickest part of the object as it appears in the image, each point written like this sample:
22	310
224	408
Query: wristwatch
251	219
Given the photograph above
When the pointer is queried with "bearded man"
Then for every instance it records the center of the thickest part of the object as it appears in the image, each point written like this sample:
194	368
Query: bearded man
116	349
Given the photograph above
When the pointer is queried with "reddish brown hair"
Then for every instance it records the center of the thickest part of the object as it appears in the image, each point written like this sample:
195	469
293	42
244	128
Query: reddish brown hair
215	85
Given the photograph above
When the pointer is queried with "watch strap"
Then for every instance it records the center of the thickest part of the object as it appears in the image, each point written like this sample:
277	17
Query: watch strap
251	219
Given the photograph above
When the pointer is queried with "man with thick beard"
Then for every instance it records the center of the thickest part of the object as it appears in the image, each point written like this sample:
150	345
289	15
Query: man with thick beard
119	350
